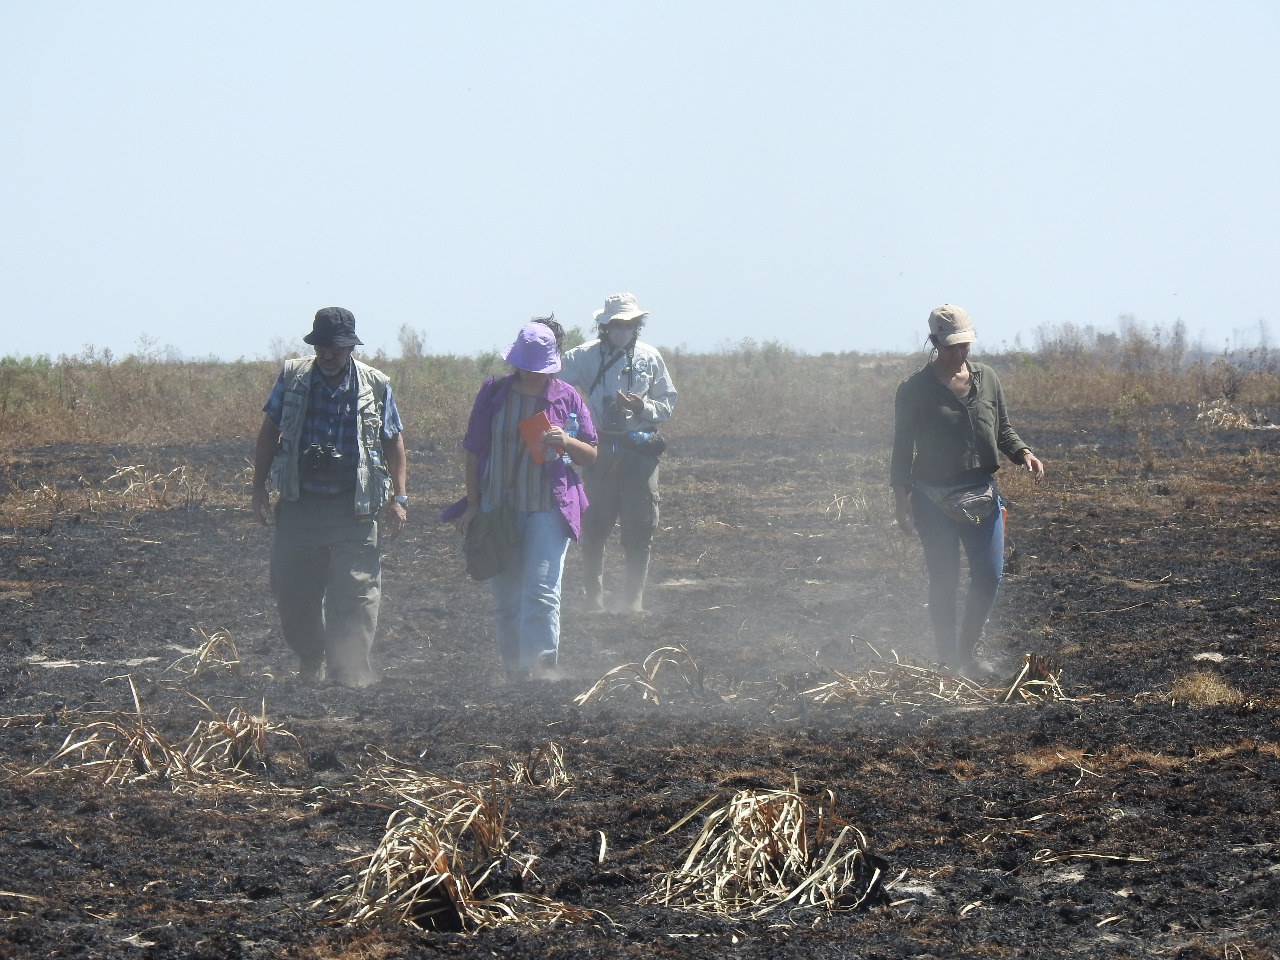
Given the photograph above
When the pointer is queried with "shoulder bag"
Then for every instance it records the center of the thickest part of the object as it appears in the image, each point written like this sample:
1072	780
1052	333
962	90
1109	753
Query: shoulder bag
491	542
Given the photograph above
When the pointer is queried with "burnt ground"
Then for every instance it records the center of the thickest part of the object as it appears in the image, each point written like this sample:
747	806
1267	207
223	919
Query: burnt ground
1119	821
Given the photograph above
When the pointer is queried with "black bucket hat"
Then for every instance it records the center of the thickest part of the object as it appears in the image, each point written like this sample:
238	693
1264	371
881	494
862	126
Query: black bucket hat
333	327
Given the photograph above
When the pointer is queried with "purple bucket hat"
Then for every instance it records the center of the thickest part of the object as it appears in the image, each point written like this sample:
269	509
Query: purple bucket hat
534	349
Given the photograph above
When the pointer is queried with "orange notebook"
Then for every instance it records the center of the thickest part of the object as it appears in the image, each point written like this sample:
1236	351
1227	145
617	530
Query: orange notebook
532	429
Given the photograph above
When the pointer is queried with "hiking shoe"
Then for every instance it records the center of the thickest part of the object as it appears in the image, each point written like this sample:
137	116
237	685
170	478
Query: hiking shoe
311	671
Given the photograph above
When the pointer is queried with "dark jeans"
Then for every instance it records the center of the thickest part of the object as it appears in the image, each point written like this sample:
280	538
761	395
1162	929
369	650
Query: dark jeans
983	544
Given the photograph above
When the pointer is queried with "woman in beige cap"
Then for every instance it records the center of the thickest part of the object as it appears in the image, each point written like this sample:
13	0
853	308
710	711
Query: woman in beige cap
950	426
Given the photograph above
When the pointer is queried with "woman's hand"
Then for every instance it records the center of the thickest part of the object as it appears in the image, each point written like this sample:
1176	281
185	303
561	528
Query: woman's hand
1032	463
553	438
463	523
262	505
580	452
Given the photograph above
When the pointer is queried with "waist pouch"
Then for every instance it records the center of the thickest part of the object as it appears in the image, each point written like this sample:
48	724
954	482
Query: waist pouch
652	446
968	502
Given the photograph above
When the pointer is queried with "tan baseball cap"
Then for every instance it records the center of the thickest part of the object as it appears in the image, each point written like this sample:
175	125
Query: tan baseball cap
951	325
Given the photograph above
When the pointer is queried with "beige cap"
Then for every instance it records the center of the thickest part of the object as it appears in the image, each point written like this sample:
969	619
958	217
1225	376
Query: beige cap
951	325
620	306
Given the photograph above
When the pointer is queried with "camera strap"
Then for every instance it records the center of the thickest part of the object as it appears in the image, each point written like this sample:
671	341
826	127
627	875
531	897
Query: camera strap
604	368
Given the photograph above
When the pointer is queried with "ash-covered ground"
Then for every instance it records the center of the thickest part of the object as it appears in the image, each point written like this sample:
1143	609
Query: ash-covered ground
1124	818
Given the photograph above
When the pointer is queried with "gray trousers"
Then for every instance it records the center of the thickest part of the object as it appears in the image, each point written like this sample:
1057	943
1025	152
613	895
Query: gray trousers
622	488
326	574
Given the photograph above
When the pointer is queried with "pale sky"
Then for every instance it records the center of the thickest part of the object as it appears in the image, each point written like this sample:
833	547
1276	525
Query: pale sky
819	173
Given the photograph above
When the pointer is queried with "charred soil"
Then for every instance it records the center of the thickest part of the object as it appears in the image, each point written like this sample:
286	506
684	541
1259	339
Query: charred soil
1132	812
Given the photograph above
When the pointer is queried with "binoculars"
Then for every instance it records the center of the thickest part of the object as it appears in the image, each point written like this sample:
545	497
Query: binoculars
615	418
321	459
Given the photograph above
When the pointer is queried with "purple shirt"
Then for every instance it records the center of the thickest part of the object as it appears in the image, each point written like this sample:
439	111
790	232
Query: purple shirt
562	400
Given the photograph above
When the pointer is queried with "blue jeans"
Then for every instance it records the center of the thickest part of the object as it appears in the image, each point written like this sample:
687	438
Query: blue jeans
983	543
526	596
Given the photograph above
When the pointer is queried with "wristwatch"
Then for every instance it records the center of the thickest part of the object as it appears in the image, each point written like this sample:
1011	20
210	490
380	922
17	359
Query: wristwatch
402	500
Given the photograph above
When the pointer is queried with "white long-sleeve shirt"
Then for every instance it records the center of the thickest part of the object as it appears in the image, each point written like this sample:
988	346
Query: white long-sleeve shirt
645	375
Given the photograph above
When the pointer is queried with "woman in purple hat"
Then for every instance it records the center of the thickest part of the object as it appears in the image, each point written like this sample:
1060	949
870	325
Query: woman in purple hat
548	498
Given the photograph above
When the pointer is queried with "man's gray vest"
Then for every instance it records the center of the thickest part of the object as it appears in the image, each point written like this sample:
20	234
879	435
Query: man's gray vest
373	481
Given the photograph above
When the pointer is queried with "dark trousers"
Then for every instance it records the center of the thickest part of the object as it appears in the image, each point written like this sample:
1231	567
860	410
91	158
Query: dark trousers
326	574
622	489
983	545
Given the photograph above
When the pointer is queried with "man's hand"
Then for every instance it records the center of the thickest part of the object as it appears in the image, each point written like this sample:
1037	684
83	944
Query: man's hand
264	451
632	401
397	517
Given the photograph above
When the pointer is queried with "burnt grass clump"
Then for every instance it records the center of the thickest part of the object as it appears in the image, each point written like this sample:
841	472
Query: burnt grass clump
1132	816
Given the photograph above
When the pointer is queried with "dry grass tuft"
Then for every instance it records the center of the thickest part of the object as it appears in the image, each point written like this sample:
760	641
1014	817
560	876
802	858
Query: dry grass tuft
217	652
1204	690
543	767
148	489
237	743
1036	680
885	682
447	864
420	876
643	676
1224	415
124	748
128	748
133	488
891	682
767	848
45	500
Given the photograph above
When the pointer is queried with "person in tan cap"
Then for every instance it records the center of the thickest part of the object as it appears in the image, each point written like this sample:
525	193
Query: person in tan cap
630	395
950	426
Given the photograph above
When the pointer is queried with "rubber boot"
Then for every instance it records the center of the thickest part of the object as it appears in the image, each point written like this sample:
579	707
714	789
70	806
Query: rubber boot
593	575
633	585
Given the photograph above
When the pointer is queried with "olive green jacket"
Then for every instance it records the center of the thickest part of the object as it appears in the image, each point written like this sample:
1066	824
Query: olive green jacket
937	435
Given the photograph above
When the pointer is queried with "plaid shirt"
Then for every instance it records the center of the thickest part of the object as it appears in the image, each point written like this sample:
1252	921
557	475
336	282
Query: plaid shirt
331	419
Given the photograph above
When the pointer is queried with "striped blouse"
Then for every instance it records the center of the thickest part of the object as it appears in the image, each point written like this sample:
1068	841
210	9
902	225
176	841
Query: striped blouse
512	471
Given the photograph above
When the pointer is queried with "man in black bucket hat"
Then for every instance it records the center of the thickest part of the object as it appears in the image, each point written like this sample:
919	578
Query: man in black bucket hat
333	327
332	445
